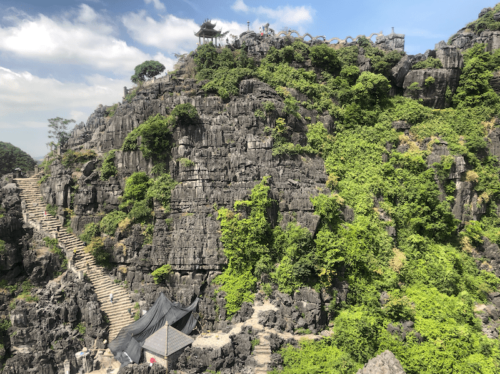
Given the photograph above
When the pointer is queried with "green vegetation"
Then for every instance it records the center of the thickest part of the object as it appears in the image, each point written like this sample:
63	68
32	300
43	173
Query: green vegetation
110	111
97	249
90	231
429	82
58	132
186	162
13	157
53	245
161	274
81	328
255	343
428	63
427	269
70	157
109	169
486	22
156	132
110	221
2	246
148	69
161	190
51	209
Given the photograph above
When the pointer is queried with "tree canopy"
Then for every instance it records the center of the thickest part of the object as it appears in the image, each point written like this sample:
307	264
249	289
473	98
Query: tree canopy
13	157
148	69
58	131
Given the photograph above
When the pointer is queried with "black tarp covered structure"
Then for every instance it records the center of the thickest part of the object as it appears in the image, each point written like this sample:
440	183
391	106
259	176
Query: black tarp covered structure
131	338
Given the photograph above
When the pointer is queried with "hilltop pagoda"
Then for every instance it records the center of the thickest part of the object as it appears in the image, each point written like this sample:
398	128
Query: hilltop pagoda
207	31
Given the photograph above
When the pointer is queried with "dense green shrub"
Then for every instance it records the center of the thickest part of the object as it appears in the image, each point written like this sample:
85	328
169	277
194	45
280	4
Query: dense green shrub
51	209
141	212
161	274
109	169
155	135
428	63
156	132
110	222
136	188
474	88
90	231
161	190
70	157
486	22
97	249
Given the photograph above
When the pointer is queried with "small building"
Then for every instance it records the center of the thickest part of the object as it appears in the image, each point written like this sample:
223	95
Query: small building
207	31
165	346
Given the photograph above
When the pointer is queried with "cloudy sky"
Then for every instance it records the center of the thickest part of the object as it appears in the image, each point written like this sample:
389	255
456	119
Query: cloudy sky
62	58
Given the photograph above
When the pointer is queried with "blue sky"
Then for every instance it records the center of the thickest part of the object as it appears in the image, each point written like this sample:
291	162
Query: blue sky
63	58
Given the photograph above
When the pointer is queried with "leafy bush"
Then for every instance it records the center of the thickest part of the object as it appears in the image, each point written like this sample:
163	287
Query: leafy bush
110	222
155	135
474	87
156	131
428	63
161	274
186	162
141	212
225	82
110	111
81	328
136	188
2	246
317	357
70	157
161	190
97	249
51	209
429	82
109	169
90	231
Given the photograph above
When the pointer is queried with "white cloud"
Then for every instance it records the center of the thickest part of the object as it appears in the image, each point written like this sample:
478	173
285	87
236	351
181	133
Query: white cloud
283	15
24	98
170	33
157	4
81	38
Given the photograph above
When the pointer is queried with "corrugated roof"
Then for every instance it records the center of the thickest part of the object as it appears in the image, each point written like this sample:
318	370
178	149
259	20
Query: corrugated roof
165	343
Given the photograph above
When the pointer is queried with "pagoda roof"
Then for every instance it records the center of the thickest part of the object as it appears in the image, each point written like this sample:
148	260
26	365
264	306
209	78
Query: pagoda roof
167	341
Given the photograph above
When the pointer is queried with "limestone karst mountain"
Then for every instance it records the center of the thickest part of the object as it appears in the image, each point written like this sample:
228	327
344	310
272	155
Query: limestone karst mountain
334	207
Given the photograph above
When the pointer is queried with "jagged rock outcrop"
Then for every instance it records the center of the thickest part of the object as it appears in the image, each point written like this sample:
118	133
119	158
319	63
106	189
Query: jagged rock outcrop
44	333
384	363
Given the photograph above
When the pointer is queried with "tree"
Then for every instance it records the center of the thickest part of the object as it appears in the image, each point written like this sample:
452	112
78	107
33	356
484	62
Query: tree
58	131
148	69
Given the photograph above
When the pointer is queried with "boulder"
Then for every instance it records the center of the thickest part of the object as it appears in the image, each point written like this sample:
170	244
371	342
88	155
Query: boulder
384	363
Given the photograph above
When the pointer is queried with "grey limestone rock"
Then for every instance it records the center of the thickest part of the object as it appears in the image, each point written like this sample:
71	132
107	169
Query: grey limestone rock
384	363
433	95
450	56
399	72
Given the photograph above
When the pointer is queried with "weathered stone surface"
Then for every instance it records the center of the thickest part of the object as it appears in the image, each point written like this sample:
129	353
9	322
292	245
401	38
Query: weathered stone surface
384	363
399	72
450	56
433	95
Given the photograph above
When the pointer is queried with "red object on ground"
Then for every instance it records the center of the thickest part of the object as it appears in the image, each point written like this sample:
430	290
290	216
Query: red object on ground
152	360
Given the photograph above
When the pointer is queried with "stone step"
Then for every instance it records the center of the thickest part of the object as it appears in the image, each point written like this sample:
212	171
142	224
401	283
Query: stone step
117	312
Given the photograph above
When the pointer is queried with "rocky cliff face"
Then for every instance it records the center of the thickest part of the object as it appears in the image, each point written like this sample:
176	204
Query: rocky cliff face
46	317
229	151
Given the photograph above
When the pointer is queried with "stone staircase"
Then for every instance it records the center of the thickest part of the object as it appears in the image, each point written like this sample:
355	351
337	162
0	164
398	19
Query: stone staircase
117	313
262	355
